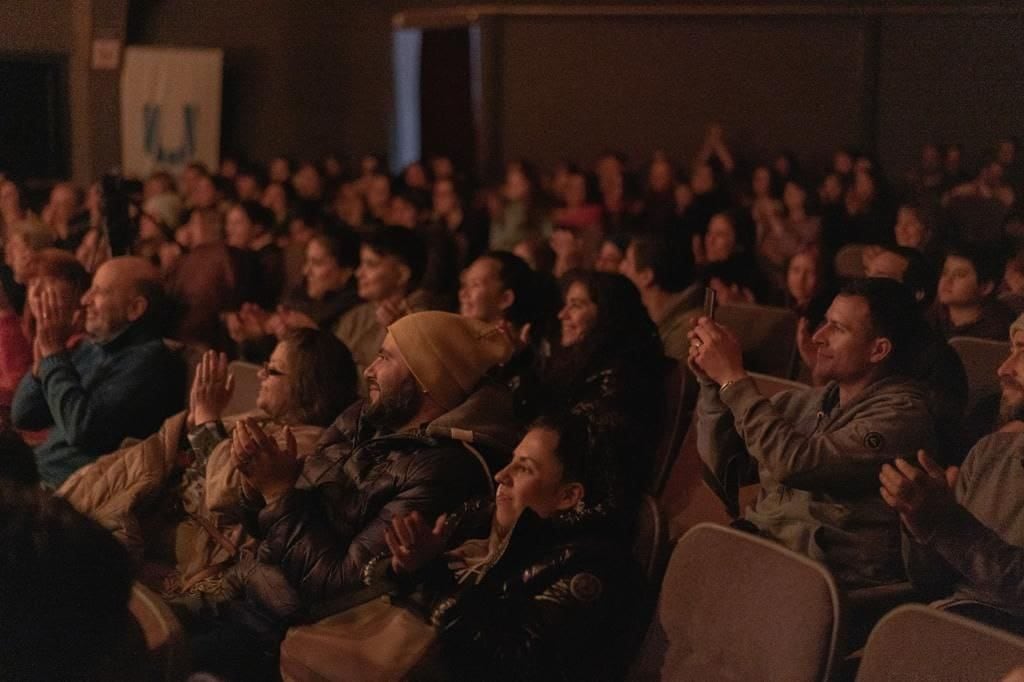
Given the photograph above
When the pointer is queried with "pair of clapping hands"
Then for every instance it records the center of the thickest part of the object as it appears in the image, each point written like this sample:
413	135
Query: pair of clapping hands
58	316
265	467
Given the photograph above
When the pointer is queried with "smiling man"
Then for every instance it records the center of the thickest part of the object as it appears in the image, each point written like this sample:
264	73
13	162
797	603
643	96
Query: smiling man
123	381
429	438
817	451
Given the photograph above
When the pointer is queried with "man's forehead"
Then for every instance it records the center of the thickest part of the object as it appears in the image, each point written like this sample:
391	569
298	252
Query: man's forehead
1017	338
850	310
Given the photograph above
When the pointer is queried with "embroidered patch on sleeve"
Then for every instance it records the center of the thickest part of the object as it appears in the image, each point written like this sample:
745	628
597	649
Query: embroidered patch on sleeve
874	441
586	587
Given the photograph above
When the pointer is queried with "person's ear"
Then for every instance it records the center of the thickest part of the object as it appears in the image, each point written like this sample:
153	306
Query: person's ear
645	277
137	307
986	289
404	275
508	297
570	495
881	350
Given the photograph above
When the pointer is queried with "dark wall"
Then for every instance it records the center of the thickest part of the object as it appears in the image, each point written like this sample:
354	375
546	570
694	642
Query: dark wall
574	86
306	76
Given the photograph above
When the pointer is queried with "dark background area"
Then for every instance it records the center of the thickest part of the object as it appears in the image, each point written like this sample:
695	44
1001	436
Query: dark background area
306	77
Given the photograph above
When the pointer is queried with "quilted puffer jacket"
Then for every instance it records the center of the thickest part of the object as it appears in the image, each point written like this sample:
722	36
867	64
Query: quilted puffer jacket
321	537
130	488
555	602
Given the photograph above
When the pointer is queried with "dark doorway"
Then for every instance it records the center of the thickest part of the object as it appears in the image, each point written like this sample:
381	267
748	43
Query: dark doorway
33	118
447	121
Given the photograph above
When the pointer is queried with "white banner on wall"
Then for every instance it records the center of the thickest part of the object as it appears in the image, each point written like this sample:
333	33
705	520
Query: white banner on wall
170	108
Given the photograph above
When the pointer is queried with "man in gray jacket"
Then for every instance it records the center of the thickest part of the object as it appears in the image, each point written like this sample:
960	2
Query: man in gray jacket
817	451
964	533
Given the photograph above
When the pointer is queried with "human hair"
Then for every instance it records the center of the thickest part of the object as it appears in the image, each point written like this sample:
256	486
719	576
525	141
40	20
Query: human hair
403	244
60	265
586	457
343	245
920	277
894	315
323	376
988	260
622	329
64	589
669	257
516	275
258	214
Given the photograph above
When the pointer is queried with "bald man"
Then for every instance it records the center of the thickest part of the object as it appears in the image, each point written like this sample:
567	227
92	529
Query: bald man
123	381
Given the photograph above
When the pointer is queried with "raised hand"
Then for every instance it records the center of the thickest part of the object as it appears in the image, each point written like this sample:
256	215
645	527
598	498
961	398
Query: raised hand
412	542
211	389
266	467
716	351
55	322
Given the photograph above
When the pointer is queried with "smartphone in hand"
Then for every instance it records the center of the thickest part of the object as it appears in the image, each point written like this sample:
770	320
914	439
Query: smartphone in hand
710	301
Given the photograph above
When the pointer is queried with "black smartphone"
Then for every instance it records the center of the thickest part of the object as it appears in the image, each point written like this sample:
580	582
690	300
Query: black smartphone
710	300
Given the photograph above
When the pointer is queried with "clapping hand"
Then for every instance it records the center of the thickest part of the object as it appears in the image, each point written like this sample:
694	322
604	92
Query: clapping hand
211	389
55	322
922	496
413	542
266	468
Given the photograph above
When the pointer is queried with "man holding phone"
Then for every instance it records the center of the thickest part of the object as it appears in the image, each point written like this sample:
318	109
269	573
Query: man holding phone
816	452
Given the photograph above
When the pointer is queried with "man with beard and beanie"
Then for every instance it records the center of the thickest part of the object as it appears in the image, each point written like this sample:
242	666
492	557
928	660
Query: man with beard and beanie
429	437
963	528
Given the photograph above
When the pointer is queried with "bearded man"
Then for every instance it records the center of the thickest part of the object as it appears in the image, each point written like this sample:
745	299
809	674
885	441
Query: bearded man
963	529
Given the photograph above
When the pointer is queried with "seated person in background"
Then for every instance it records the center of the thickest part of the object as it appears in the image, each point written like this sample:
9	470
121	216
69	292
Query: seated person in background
1012	289
966	301
60	572
500	288
817	450
396	453
249	228
122	382
391	264
204	283
610	363
536	584
661	268
326	292
963	530
935	363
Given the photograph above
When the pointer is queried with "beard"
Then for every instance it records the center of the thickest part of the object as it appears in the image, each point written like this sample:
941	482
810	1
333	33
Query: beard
394	409
1010	410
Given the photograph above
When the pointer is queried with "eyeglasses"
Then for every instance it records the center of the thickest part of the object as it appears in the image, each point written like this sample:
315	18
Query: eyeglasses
270	371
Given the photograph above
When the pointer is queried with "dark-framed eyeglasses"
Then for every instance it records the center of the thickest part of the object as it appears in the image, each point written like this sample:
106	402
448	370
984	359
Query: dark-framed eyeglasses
270	371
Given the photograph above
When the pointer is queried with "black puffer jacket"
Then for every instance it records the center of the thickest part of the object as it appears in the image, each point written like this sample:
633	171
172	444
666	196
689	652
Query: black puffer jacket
557	604
321	534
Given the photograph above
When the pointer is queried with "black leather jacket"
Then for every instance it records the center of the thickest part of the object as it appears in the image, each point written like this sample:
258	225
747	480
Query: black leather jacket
323	532
556	604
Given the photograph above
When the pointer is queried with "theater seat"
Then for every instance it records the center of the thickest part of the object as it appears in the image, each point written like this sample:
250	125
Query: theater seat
650	536
916	642
681	389
767	334
981	358
734	606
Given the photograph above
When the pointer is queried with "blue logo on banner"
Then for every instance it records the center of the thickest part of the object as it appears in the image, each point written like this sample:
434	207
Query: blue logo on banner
151	134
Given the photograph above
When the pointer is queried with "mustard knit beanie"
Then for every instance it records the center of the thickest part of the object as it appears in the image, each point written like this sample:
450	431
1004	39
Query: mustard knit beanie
448	353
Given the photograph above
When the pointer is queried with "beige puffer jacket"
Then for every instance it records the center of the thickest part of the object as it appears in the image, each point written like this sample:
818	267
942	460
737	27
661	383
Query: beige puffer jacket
119	488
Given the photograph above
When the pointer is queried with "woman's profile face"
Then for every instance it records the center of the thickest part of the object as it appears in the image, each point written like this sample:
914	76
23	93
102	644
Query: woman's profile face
532	479
578	316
